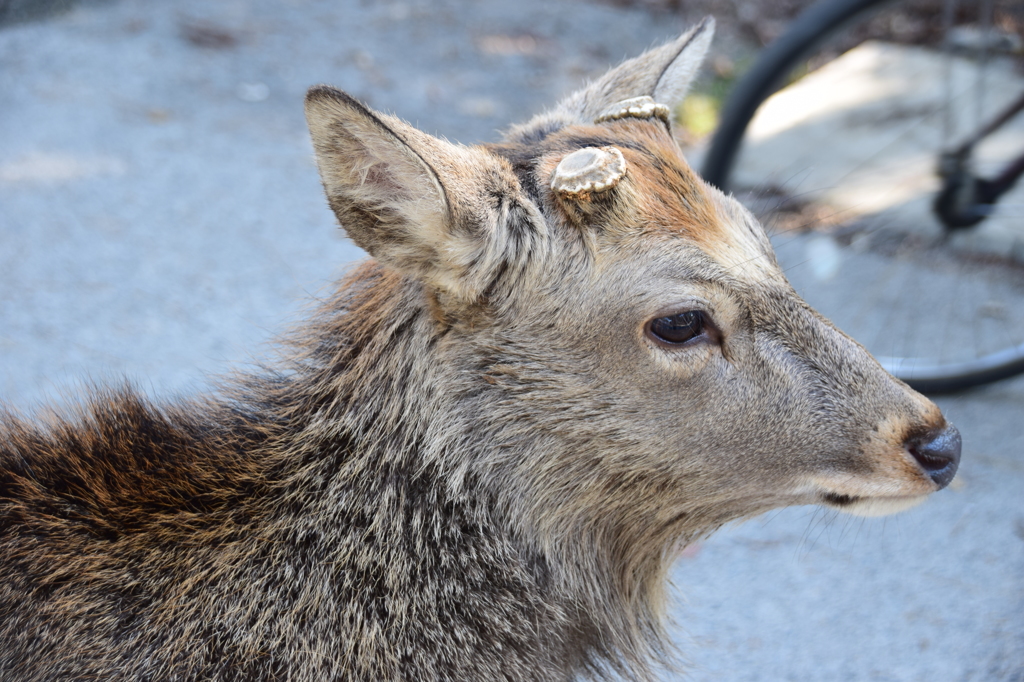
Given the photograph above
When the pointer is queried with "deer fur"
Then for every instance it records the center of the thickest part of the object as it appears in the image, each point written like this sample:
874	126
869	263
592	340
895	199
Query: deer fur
474	462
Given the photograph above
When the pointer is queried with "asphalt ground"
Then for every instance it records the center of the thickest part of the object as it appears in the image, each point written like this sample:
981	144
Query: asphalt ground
161	219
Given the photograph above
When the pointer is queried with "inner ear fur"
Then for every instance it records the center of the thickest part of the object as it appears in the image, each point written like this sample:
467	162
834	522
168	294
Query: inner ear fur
437	211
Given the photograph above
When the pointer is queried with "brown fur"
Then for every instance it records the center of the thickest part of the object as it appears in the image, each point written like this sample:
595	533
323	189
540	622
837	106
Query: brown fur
473	463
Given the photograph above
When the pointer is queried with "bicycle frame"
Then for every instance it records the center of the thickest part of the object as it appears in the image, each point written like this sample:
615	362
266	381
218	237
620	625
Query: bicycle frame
966	199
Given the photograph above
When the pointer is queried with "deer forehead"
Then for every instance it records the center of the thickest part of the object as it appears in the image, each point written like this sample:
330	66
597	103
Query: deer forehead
660	194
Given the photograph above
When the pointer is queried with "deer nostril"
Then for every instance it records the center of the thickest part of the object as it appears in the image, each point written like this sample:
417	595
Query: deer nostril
938	453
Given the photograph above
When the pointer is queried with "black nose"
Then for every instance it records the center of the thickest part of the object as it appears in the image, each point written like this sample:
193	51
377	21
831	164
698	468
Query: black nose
938	453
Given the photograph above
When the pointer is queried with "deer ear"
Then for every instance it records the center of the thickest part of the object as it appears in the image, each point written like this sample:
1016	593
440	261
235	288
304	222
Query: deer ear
682	60
434	210
663	73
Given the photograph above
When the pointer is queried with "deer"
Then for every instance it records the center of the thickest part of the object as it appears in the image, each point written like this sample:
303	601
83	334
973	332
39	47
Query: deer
566	359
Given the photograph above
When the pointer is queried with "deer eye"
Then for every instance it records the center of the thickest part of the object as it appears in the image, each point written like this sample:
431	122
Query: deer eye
677	329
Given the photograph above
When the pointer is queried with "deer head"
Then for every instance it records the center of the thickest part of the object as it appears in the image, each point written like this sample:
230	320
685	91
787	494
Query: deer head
617	357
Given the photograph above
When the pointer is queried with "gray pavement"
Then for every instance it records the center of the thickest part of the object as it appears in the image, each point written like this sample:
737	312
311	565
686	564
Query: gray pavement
161	219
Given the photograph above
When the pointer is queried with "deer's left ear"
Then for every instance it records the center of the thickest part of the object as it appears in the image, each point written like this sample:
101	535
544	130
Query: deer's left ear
664	73
454	217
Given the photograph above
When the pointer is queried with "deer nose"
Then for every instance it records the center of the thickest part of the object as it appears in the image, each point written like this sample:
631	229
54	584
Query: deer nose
938	453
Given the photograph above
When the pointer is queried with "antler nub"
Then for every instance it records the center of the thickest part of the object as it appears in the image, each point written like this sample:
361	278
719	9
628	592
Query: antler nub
591	169
636	107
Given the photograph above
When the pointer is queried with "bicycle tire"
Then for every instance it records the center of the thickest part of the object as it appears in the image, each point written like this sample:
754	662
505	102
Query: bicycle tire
811	27
806	34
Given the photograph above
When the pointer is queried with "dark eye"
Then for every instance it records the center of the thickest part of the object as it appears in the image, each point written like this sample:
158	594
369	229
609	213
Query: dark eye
678	328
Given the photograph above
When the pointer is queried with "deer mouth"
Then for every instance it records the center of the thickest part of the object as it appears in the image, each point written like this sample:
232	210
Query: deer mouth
871	506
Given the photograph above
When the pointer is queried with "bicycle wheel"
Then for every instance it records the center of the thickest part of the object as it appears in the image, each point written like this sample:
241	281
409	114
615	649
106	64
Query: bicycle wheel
840	166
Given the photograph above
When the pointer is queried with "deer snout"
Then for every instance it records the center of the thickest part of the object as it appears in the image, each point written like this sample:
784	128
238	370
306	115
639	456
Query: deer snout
938	453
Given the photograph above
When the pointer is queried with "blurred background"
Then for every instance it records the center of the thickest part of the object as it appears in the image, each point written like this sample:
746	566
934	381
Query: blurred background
161	219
